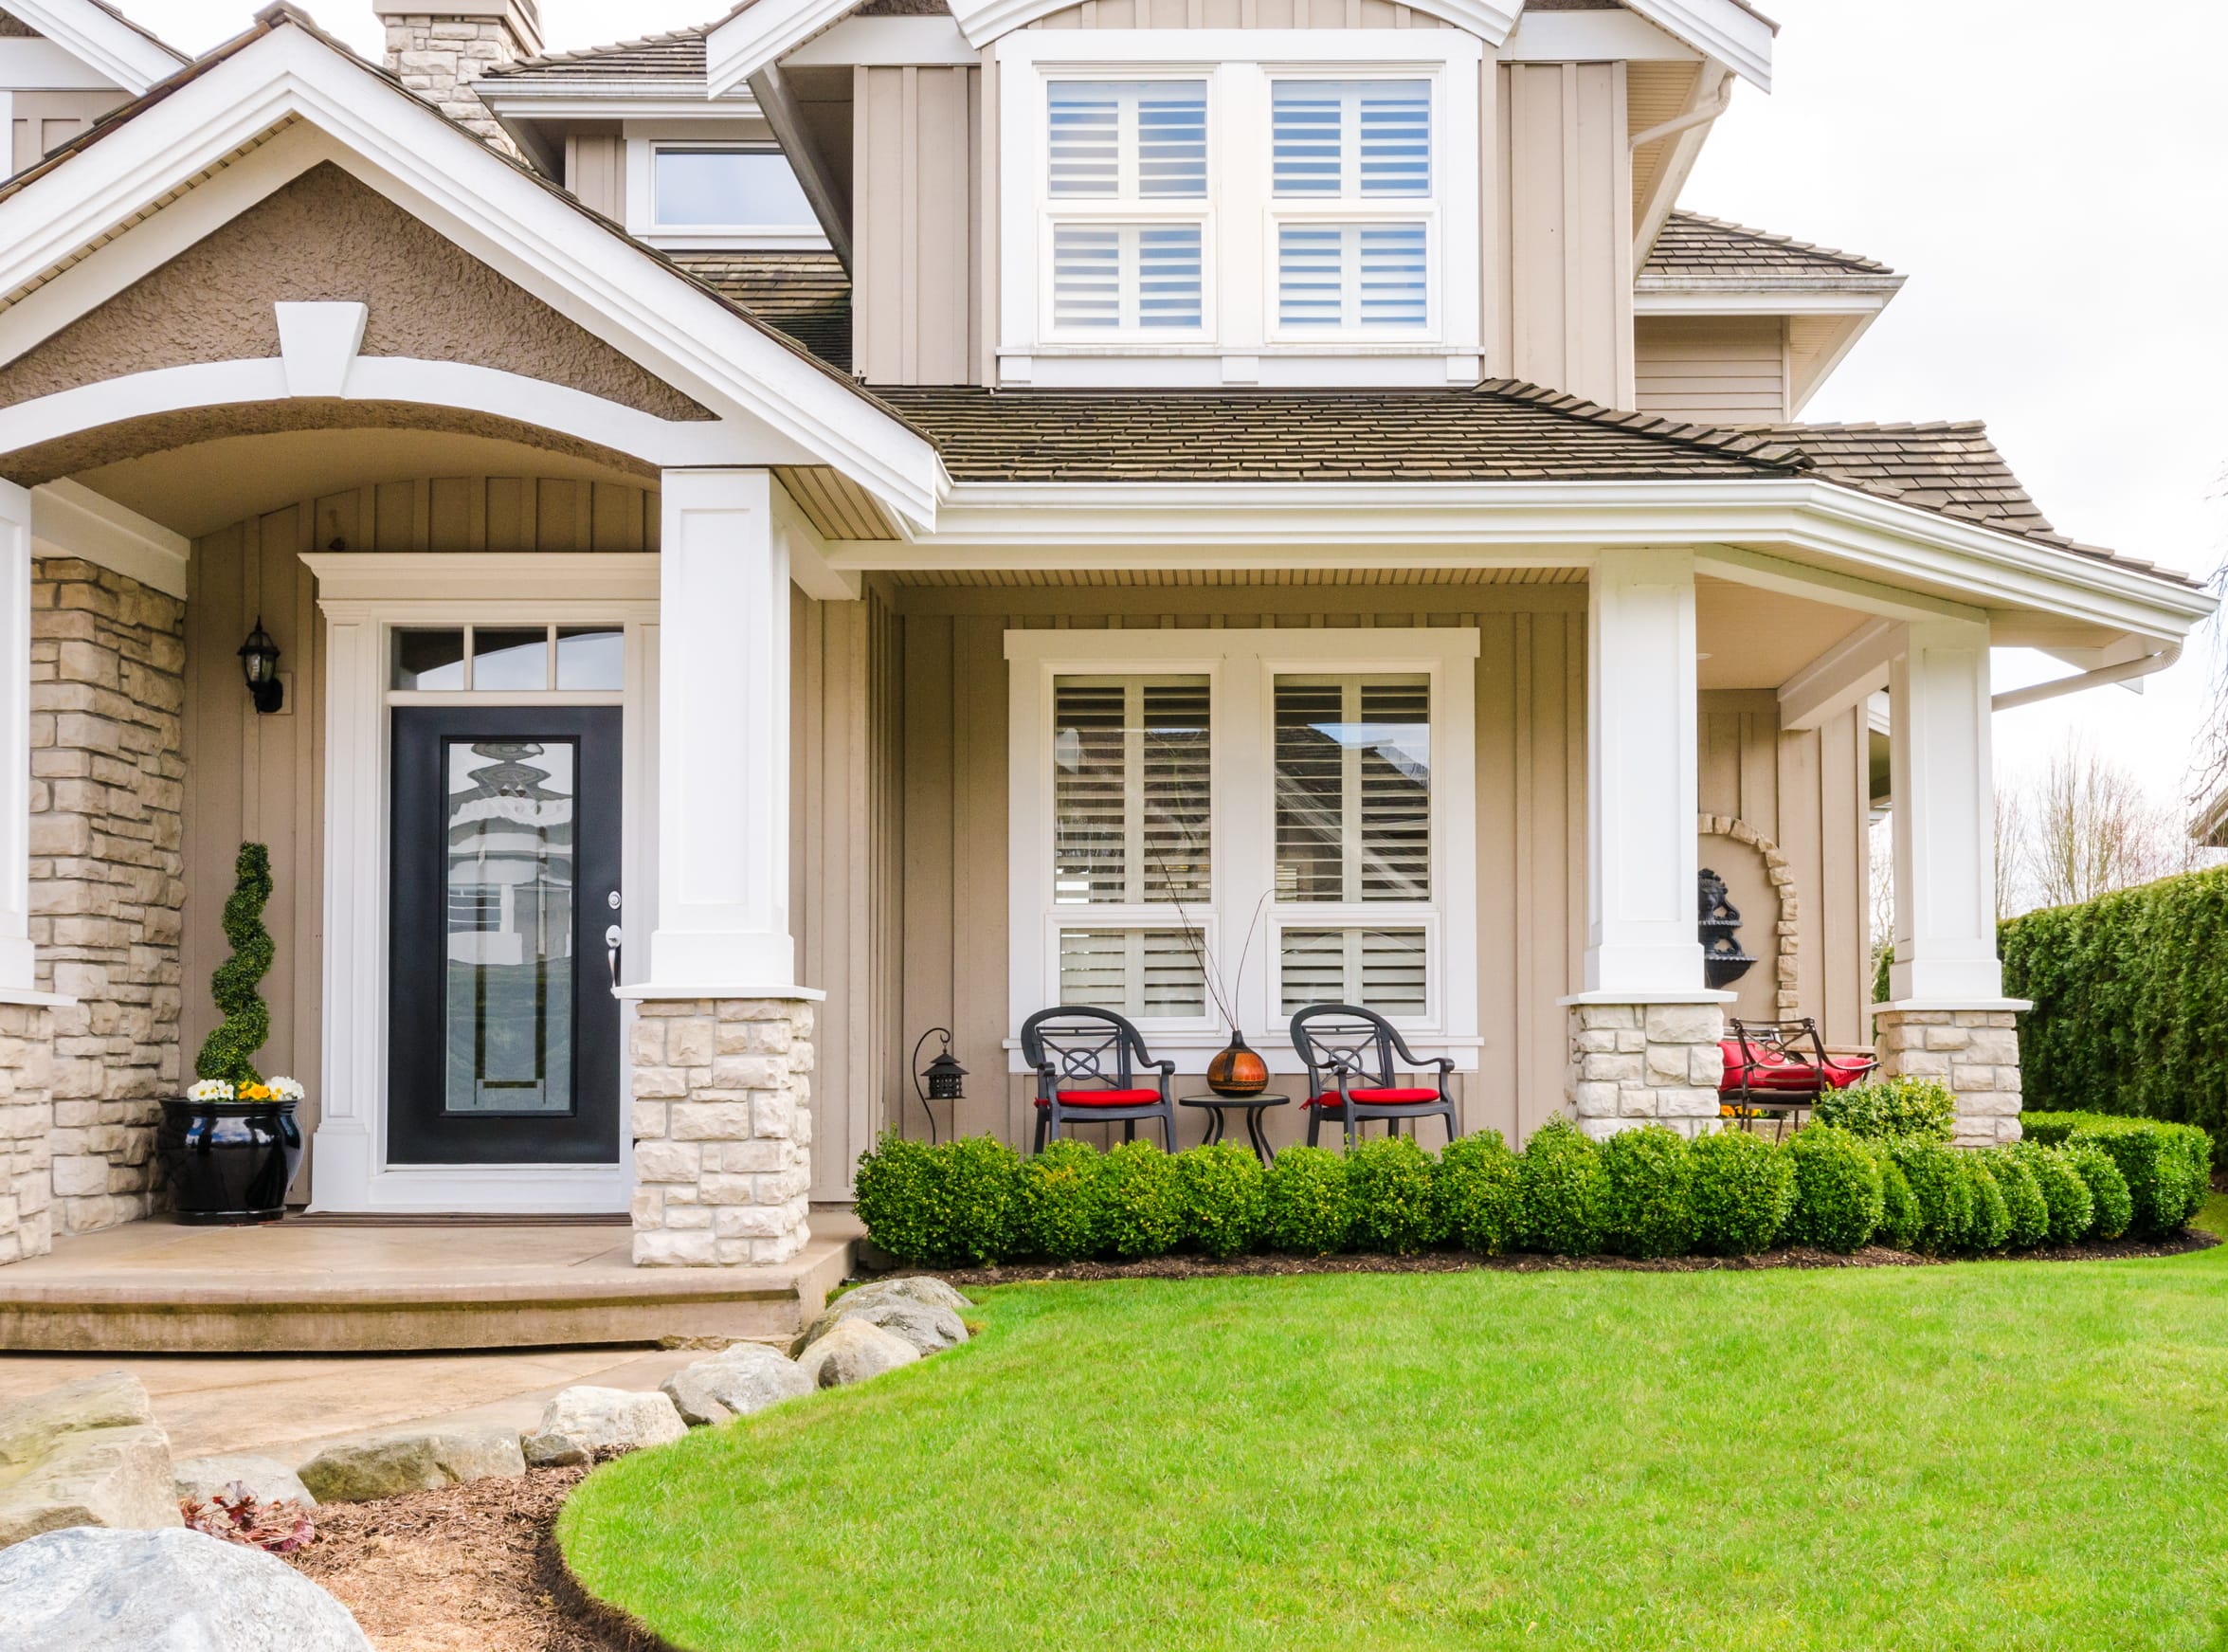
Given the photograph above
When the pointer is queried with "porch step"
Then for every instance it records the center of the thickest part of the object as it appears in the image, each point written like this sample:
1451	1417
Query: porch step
157	1287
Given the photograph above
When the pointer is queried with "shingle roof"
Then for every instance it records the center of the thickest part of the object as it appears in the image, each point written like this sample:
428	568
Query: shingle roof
805	294
1691	244
677	55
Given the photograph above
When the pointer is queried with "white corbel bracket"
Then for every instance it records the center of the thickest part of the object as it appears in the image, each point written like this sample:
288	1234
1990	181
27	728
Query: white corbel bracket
318	342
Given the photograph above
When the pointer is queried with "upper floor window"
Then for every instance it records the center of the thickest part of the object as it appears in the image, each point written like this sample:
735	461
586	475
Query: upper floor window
1350	188
1127	175
701	187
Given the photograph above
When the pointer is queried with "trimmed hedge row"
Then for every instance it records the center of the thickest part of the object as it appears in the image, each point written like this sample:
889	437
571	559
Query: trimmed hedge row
2131	995
1646	1192
2168	1168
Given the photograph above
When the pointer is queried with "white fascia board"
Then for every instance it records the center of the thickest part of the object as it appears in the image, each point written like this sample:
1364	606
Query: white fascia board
1532	524
887	43
100	39
70	519
984	21
763	34
1660	295
662	100
1563	37
1846	675
41	65
1732	34
529	233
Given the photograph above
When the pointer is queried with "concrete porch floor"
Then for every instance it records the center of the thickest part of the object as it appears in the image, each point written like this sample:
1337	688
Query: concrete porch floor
295	1286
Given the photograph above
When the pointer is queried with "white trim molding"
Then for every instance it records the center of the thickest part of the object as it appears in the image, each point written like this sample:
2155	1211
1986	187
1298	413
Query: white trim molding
1724	29
18	962
98	36
70	519
1242	667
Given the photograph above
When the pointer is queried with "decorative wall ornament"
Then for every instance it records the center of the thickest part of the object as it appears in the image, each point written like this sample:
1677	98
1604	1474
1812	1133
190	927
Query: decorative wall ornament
1723	961
1786	957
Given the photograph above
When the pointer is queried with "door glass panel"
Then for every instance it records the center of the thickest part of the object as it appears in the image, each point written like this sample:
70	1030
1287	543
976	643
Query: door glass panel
430	660
591	657
510	953
510	658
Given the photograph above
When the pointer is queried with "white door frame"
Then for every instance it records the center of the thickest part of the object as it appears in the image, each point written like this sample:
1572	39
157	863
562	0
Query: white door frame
364	597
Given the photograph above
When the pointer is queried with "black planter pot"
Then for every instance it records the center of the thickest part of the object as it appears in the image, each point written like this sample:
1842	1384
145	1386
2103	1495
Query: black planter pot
227	1162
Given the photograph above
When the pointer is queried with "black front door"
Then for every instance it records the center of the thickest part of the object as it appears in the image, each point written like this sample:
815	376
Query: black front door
503	1042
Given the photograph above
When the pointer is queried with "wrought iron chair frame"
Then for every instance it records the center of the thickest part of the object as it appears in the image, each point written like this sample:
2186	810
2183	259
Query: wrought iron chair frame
1761	1039
1057	1062
1343	1063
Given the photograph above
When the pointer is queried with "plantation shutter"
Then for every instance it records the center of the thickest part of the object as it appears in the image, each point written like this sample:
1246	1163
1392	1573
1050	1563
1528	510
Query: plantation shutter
1378	969
1148	972
1353	788
1131	790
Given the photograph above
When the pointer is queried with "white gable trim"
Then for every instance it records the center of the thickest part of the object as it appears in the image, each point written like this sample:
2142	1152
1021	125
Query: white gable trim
451	181
764	33
101	40
1732	34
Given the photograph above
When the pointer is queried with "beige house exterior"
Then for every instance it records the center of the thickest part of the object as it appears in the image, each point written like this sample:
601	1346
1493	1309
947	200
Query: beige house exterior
855	446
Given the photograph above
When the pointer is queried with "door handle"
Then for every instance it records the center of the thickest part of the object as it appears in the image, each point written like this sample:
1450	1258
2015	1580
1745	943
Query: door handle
611	940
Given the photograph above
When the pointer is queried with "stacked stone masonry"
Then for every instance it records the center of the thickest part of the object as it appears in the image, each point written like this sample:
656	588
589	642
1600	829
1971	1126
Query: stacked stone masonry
107	787
27	1113
722	1130
1645	1064
439	56
1976	1052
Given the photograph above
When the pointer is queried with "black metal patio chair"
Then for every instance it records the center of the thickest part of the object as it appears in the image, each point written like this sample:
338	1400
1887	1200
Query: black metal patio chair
1778	1070
1087	1063
1349	1052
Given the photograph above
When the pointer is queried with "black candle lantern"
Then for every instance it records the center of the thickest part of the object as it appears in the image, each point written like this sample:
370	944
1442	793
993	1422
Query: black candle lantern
940	1080
259	664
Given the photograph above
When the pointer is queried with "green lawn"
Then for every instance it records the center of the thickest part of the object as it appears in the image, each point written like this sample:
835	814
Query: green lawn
1994	1454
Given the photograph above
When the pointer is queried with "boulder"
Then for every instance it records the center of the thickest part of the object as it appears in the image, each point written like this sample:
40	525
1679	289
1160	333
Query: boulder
929	1329
386	1466
733	1383
267	1479
918	1287
88	1453
853	1349
582	1422
162	1591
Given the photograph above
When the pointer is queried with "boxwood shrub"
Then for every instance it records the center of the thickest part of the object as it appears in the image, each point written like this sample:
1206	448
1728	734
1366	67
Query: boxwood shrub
2024	1206
2167	1169
2108	1189
1388	1187
1941	1190
1057	1196
1743	1188
1890	1108
1308	1212
1474	1187
1989	1224
1562	1191
1901	1221
2064	1193
946	1207
1224	1202
1140	1202
1838	1202
1648	1202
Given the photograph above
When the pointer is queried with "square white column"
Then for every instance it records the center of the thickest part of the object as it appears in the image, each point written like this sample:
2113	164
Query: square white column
1643	782
18	970
723	740
1945	817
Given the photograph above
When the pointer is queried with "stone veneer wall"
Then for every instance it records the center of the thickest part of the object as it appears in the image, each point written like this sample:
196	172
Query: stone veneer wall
439	54
1976	1052
26	1113
1645	1064
108	786
722	1131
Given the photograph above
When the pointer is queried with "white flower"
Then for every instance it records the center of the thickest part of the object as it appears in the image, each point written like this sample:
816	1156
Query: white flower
285	1089
210	1090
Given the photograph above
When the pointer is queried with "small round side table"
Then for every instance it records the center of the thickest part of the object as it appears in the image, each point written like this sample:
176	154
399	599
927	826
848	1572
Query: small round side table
1219	1107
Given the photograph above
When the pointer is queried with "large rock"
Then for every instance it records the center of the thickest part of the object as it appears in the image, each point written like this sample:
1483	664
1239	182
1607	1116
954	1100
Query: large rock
267	1479
853	1349
915	1287
84	1590
733	1383
582	1422
88	1453
391	1465
929	1329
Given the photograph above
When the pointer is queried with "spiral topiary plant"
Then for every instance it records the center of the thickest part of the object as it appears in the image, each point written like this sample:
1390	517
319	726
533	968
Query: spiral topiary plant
229	1052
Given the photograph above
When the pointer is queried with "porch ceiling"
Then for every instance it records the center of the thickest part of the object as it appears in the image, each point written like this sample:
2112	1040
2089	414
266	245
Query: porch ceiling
1749	637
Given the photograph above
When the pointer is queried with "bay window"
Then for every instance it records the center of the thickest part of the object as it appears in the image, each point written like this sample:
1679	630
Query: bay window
1177	792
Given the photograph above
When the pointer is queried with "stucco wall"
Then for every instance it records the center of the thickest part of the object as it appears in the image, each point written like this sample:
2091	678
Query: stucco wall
327	236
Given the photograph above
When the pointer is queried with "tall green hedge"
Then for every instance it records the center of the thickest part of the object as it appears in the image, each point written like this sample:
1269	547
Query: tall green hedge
2131	995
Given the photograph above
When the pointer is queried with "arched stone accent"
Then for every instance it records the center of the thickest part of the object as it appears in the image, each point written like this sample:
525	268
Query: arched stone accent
1787	991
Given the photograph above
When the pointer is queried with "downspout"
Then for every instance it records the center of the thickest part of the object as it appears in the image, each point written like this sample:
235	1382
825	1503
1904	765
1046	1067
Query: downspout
2126	671
1701	117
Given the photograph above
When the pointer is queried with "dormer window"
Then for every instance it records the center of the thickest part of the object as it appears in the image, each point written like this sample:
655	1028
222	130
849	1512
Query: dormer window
699	189
1239	217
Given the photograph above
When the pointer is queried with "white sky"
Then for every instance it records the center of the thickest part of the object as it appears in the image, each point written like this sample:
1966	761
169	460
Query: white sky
2050	184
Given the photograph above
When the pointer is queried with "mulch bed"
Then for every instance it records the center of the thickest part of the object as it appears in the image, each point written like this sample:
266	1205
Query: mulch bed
466	1569
1445	1262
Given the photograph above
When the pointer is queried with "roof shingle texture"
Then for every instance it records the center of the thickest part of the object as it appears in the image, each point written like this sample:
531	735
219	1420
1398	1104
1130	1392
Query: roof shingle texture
804	294
678	55
1691	244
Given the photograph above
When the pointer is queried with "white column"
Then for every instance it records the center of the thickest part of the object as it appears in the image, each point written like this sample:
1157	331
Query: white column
17	967
723	740
1642	778
1944	818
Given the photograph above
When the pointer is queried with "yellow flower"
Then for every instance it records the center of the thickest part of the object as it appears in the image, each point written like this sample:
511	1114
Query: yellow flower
256	1093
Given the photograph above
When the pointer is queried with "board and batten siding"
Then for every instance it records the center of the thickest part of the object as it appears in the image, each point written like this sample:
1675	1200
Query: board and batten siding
251	778
1712	369
595	170
916	159
41	122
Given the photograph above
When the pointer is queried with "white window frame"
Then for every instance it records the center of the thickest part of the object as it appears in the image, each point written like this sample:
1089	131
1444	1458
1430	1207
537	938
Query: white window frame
1242	667
646	139
1240	339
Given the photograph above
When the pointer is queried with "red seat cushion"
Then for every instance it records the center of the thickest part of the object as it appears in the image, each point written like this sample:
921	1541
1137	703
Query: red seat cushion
1772	1071
1107	1097
1377	1098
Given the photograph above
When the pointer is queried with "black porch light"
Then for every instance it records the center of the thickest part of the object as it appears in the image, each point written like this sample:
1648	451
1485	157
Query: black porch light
259	664
940	1081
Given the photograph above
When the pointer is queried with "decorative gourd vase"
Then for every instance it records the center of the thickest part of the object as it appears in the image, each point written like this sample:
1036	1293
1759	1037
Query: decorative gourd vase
227	1162
1236	1071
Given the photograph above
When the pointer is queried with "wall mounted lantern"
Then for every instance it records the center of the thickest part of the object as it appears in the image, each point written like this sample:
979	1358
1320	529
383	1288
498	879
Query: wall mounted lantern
259	664
940	1080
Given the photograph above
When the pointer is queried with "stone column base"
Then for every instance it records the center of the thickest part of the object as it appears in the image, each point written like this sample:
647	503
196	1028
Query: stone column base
27	1119
1976	1052
1645	1064
722	1133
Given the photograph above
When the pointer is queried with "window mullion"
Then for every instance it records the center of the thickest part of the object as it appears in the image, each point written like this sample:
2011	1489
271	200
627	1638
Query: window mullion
1133	792
1349	799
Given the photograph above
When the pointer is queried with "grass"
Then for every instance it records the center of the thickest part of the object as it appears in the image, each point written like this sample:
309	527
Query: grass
2029	1454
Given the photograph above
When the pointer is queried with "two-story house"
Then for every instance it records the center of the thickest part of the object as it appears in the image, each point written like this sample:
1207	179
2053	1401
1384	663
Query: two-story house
858	519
